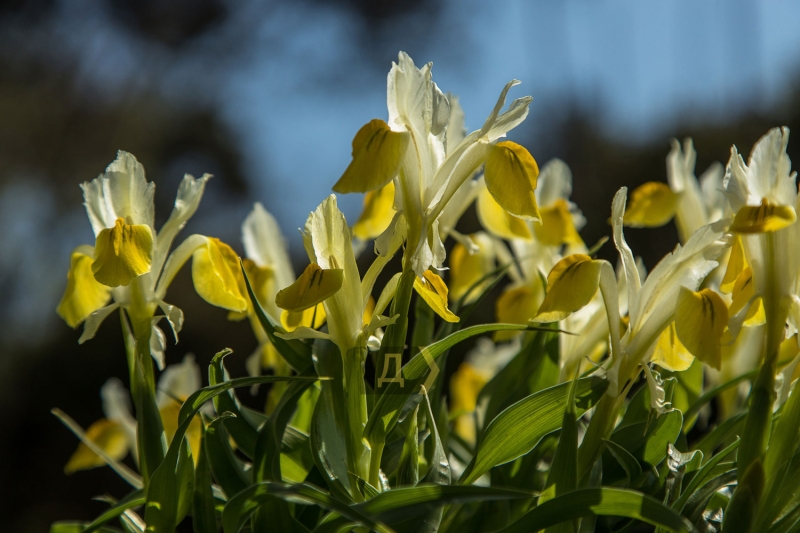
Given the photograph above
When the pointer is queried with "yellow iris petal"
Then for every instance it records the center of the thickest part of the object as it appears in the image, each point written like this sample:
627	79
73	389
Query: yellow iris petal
377	154
498	221
763	218
670	353
377	214
313	286
736	264
84	294
217	276
557	227
369	310
465	385
122	253
109	436
652	204
571	284
742	294
467	269
169	419
312	317
433	290
261	280
511	173
700	320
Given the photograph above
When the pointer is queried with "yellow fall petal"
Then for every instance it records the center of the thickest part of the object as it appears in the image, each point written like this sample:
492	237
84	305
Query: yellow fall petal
763	218
736	264
369	310
377	154
312	317
652	204
465	385
261	280
742	294
108	435
217	276
434	291
84	294
700	320
122	253
511	173
670	353
313	286
571	284
466	269
516	306
557	227
377	214
169	419
499	221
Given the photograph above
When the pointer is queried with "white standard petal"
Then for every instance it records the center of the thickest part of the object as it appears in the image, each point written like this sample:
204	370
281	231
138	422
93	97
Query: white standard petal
178	381
632	280
158	343
190	192
174	316
94	320
769	169
120	192
554	182
264	244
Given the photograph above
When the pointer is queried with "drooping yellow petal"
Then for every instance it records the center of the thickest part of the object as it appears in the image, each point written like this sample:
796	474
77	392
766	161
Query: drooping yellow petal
511	173
652	204
467	269
108	435
377	154
434	291
377	214
670	353
369	310
312	317
516	306
262	280
742	294
498	221
169	419
736	264
122	253
465	385
763	218
313	286
83	294
700	320
217	276
557	227
571	284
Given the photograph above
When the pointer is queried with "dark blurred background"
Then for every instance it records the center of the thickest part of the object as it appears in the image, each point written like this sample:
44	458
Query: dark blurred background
267	97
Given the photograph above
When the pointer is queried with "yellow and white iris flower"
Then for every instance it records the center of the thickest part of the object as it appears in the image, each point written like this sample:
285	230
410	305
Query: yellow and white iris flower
130	262
332	279
667	298
412	150
116	433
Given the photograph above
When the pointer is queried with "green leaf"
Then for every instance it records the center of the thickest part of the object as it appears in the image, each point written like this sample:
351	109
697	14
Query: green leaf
696	503
297	353
563	475
297	459
628	462
134	499
203	516
714	392
161	507
185	480
406	502
727	429
702	475
647	441
74	527
605	502
519	428
387	409
408	469
243	505
229	471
